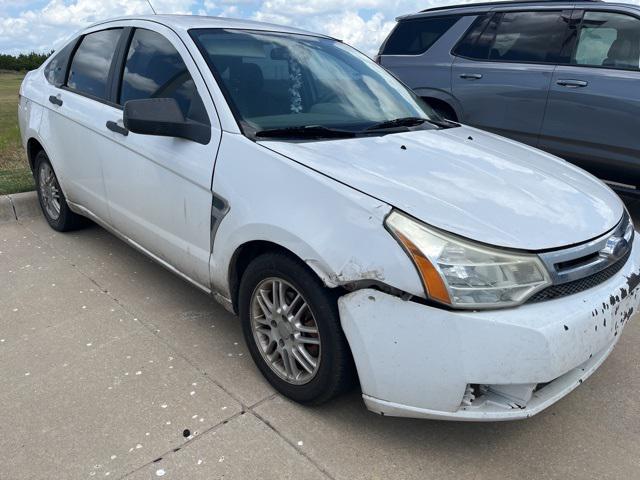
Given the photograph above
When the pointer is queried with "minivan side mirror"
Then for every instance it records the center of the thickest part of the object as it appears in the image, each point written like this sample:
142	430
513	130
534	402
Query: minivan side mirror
163	117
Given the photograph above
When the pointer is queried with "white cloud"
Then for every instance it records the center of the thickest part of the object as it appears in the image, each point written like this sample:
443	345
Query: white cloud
348	20
45	28
43	24
366	35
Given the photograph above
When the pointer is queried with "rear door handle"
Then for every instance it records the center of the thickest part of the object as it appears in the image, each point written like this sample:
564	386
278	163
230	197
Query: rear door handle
114	127
471	76
572	83
55	100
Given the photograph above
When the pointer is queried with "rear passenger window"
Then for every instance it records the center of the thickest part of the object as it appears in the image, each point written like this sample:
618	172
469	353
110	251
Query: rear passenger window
154	69
529	37
413	37
608	40
92	61
56	69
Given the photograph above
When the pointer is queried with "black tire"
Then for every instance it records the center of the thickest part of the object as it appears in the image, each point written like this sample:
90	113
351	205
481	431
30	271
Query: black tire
444	111
66	220
336	371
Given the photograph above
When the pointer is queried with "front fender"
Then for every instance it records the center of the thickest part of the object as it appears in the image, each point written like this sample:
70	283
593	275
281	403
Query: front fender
336	230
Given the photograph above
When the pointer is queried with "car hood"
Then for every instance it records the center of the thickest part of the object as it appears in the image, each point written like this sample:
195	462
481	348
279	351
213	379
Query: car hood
471	183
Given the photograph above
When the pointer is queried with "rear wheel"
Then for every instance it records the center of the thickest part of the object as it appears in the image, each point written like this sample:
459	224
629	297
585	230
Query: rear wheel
291	325
52	201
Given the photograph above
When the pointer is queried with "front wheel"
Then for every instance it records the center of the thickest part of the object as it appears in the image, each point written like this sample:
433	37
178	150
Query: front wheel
292	327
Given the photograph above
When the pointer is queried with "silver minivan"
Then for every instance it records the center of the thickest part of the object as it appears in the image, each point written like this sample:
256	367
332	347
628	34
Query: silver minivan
560	76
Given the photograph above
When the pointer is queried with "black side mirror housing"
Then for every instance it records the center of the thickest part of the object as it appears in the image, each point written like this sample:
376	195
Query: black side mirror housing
163	117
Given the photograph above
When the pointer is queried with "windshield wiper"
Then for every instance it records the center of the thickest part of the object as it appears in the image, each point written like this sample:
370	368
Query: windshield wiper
306	131
397	122
443	123
412	122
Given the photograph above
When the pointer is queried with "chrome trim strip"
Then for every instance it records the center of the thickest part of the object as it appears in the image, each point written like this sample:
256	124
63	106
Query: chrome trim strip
605	250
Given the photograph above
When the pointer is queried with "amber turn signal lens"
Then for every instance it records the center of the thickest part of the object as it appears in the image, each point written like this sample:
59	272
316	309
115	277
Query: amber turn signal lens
431	279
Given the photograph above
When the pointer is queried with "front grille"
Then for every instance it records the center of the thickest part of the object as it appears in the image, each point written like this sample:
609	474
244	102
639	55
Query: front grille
577	286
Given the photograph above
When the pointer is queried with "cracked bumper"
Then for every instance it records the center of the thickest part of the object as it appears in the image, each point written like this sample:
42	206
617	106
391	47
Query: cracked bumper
418	361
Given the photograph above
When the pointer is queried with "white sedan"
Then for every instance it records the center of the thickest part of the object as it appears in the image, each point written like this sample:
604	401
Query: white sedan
358	235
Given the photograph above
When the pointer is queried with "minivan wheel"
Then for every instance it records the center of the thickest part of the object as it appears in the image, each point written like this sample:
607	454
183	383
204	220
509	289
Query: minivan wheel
292	327
52	202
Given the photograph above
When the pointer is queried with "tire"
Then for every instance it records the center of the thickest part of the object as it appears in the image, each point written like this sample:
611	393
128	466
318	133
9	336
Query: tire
444	111
334	369
52	201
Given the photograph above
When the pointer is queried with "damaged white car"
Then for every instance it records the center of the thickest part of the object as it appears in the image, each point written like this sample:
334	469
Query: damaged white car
458	275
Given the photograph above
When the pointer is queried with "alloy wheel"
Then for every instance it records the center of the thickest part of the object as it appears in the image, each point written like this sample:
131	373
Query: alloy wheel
285	331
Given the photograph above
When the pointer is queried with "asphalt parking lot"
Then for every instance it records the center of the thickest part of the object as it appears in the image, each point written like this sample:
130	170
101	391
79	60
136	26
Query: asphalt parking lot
113	367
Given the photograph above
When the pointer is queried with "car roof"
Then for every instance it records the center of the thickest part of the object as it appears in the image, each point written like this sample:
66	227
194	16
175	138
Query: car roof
187	22
471	8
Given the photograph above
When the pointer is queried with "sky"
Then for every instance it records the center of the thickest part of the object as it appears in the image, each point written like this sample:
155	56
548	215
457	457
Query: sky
42	25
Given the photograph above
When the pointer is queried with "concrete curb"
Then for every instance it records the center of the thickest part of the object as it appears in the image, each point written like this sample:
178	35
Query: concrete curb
18	206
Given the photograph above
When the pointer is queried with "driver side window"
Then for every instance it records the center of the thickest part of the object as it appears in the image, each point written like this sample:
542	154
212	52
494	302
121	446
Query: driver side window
154	69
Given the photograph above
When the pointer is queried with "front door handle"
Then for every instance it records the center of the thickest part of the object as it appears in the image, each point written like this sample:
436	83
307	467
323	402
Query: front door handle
114	127
55	100
572	83
470	76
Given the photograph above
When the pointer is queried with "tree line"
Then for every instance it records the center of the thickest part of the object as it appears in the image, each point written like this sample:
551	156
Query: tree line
23	61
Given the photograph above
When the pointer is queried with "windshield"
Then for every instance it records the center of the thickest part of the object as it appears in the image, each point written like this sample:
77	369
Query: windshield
276	81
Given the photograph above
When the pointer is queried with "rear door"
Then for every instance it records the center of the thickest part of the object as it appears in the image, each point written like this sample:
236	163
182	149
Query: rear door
503	70
594	102
73	124
159	188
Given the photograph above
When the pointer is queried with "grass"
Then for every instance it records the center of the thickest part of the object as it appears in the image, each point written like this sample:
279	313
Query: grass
15	174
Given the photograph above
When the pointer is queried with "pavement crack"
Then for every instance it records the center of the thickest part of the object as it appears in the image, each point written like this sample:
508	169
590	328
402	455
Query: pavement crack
293	445
13	207
260	402
183	445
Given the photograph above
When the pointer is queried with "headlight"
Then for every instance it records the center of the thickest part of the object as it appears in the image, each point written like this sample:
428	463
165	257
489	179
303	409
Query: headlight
464	274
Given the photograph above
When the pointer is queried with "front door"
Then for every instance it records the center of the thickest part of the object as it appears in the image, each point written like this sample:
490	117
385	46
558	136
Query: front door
159	188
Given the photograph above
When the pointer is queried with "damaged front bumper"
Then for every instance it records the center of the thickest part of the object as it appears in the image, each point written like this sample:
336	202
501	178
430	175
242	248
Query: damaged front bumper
419	361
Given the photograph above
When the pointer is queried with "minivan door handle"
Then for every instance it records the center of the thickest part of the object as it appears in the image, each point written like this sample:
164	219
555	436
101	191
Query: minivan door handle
572	83
114	127
55	100
471	76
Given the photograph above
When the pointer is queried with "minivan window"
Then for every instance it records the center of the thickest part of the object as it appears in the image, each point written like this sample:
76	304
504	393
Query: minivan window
529	37
416	36
155	69
56	69
92	61
610	40
278	81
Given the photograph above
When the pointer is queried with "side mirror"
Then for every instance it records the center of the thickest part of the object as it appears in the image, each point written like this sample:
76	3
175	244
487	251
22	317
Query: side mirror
163	117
